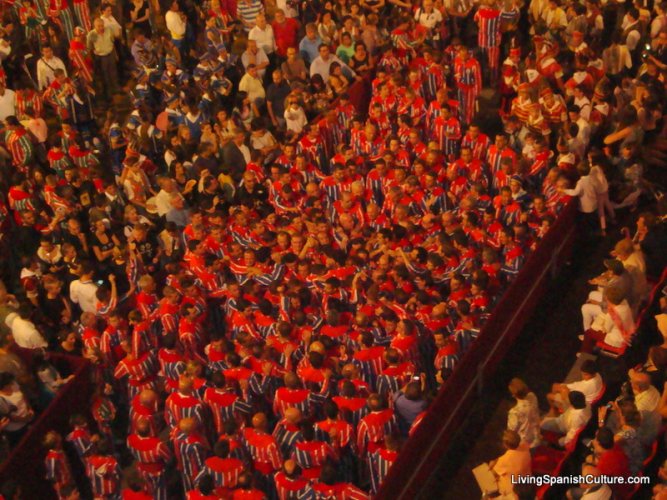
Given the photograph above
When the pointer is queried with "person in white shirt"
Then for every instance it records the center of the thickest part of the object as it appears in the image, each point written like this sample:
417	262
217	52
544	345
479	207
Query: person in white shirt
256	56
83	291
24	331
295	117
592	489
176	23
322	63
46	67
590	386
583	102
571	421
262	33
631	28
615	326
163	197
428	17
110	21
252	85
288	8
648	402
15	407
554	17
634	263
584	190
7	102
660	20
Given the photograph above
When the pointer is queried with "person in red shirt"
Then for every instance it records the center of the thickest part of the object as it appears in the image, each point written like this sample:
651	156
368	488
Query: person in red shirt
285	31
152	456
311	454
263	448
610	459
205	489
329	487
136	487
222	468
245	491
103	471
290	483
375	426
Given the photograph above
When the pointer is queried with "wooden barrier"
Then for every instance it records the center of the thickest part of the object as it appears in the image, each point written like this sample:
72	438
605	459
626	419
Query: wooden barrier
430	441
25	463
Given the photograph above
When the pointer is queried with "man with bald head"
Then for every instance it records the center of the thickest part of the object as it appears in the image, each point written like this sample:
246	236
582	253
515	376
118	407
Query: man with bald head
293	395
152	456
191	450
145	405
264	451
182	404
290	483
287	432
647	400
373	428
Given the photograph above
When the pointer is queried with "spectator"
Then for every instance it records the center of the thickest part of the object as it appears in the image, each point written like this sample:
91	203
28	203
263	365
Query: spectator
409	402
15	411
24	332
524	417
590	385
513	463
571	421
309	45
101	46
615	326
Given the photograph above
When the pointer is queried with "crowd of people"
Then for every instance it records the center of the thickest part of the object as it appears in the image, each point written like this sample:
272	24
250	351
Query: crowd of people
629	425
270	274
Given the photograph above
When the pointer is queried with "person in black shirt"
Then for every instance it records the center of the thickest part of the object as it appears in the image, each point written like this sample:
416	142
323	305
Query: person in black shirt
71	233
27	235
252	194
276	93
145	246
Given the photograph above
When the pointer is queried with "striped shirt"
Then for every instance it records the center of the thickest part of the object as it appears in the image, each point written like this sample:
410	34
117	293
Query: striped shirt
488	21
247	12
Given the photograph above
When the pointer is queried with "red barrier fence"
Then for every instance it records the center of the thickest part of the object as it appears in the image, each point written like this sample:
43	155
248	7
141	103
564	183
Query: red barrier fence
25	463
431	439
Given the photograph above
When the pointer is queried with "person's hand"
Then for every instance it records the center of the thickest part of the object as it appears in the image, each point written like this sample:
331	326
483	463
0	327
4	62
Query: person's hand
266	368
289	349
112	278
602	413
306	335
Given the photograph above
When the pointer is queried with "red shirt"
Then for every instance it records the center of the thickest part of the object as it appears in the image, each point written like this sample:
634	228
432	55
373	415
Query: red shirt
285	35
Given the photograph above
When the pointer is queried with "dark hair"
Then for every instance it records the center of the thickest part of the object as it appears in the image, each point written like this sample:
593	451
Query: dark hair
577	400
605	438
589	367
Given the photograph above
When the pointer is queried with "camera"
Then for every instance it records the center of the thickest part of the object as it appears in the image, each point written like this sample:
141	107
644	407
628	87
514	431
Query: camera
647	51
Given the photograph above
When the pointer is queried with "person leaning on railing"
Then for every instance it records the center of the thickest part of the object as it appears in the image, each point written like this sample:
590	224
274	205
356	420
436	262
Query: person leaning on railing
15	411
